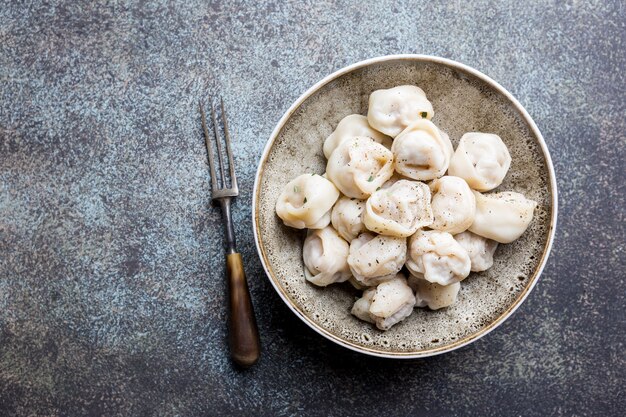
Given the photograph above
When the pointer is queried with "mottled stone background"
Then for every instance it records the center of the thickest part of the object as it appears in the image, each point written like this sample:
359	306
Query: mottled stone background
112	296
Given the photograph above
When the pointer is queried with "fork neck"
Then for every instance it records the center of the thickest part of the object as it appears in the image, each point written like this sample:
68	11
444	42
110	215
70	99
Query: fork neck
231	243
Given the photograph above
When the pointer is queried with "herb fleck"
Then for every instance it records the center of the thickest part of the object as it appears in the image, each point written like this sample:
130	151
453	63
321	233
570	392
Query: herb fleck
424	114
370	179
304	200
296	189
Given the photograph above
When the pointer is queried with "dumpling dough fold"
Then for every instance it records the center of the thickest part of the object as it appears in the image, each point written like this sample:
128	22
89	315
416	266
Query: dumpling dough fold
503	217
374	259
422	152
399	210
479	249
359	166
432	295
453	204
306	201
349	127
347	217
391	111
325	256
481	159
436	257
393	301
361	307
386	305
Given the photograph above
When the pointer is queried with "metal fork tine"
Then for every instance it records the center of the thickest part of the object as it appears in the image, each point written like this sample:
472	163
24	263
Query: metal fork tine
218	140
207	141
231	164
243	332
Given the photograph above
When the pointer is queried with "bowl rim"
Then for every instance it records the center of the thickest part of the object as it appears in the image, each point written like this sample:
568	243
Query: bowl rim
493	324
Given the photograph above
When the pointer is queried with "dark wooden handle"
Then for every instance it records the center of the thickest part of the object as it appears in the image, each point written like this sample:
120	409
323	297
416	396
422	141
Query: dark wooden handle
245	347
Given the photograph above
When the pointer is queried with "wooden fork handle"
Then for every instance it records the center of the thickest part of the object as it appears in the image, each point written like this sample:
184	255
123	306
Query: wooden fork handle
245	347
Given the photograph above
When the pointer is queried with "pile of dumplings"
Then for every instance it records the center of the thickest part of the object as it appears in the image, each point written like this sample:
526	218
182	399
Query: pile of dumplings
386	205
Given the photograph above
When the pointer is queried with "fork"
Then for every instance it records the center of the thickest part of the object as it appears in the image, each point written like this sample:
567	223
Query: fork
243	333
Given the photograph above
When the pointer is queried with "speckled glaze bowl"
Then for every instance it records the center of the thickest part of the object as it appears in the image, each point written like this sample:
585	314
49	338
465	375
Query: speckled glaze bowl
464	100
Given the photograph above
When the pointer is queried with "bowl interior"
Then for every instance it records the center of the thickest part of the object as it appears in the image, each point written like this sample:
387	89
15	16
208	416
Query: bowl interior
463	102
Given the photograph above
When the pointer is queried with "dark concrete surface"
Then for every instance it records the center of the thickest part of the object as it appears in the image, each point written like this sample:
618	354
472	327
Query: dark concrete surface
112	297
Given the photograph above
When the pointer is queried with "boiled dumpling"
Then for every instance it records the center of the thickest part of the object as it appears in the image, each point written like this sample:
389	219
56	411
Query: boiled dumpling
432	295
349	127
361	307
359	166
306	201
392	110
437	257
503	216
453	204
347	219
392	302
399	210
325	256
387	304
479	249
422	152
481	159
374	259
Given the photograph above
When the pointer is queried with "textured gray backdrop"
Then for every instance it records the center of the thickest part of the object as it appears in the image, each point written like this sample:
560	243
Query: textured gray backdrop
111	267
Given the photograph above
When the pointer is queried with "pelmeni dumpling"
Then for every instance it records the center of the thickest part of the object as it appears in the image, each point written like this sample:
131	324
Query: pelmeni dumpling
392	110
306	201
479	249
349	127
437	257
374	259
399	210
503	216
392	302
481	159
347	219
432	295
422	152
359	166
361	307
453	204
325	256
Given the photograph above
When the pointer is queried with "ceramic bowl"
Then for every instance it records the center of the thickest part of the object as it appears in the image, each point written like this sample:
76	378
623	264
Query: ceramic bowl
464	100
